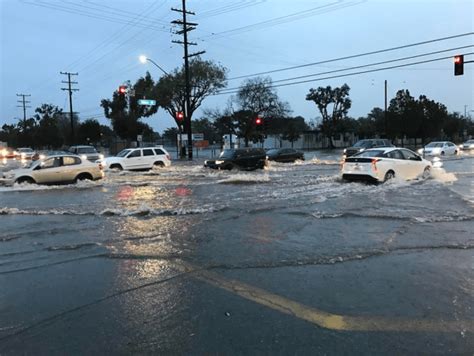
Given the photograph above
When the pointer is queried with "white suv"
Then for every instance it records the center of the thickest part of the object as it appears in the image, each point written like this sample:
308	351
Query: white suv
139	158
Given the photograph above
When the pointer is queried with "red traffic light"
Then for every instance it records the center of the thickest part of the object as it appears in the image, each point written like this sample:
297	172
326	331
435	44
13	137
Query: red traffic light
459	64
122	89
258	121
179	116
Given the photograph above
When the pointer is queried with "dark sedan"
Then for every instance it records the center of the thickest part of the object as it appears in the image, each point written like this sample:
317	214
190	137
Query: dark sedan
285	155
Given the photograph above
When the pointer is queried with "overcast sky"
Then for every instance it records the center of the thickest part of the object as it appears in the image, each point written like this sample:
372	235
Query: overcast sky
102	39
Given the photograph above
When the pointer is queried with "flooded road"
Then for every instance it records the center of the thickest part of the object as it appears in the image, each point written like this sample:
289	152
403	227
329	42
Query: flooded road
288	260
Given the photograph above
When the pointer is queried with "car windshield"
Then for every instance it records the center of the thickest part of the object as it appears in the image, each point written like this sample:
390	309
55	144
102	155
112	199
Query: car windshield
363	144
470	142
371	153
123	153
435	144
227	154
25	150
86	150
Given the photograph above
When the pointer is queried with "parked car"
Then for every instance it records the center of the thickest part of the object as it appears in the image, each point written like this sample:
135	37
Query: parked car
284	155
468	145
363	145
86	152
382	164
439	148
139	159
55	169
240	158
25	153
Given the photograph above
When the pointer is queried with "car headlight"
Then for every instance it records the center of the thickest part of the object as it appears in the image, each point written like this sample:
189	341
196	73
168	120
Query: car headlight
471	146
101	156
361	149
219	162
42	156
83	156
420	151
344	152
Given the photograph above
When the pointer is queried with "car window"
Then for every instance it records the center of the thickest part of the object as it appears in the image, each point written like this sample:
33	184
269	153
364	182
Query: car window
227	154
87	150
159	151
409	155
396	154
51	163
148	152
69	161
273	152
136	153
364	144
371	153
123	153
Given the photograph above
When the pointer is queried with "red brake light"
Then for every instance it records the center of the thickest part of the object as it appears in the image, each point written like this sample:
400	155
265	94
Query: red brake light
374	164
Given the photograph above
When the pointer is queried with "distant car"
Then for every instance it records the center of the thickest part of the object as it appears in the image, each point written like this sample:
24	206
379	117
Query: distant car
25	153
86	152
7	152
468	145
382	164
240	158
55	169
139	159
284	155
363	145
439	148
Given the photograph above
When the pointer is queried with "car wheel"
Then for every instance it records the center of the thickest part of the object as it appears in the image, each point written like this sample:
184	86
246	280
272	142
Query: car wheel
426	172
455	152
28	180
389	175
83	176
158	164
116	167
442	153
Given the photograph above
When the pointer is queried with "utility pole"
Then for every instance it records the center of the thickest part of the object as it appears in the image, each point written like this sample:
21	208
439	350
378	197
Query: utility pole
70	90
186	27
385	111
24	103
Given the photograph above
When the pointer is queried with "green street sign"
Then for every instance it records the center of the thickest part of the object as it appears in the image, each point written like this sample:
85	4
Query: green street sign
148	102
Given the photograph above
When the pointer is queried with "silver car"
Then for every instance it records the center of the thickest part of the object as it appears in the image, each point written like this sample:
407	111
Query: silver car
55	169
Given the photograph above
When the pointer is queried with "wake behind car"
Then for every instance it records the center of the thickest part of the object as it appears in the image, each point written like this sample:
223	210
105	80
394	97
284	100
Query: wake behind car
284	155
382	164
363	145
86	152
241	158
439	148
139	159
55	169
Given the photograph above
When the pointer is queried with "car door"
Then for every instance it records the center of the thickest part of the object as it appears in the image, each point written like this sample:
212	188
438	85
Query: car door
414	166
49	171
70	168
148	158
134	160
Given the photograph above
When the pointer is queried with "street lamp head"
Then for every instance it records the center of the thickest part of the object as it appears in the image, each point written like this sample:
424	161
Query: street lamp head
143	58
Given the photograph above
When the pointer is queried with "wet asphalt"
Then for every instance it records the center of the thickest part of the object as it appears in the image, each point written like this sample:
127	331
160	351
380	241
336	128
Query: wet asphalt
289	260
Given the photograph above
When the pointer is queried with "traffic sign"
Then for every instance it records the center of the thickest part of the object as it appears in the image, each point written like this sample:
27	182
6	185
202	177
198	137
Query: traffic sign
148	102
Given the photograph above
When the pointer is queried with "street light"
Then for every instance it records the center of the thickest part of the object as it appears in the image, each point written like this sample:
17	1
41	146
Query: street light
143	59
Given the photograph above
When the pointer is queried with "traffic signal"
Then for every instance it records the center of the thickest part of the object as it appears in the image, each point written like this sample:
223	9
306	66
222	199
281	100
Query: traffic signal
179	116
459	64
122	90
259	123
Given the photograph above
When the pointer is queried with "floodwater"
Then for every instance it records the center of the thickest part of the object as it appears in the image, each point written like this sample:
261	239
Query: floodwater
110	266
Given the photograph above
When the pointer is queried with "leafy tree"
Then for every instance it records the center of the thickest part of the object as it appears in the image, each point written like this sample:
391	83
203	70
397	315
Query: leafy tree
47	117
9	134
89	131
256	98
206	78
333	104
171	134
293	128
124	111
27	133
206	127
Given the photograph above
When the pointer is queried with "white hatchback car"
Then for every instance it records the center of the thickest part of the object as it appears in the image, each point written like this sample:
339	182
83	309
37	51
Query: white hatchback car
54	170
139	159
439	148
382	164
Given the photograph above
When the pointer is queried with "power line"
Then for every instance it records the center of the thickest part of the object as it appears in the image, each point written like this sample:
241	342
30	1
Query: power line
355	55
354	73
366	65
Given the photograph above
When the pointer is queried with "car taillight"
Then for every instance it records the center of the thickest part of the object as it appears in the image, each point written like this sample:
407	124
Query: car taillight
168	157
374	164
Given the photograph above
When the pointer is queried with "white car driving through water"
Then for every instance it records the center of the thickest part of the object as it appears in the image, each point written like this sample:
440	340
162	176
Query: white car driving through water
439	148
55	170
382	164
139	159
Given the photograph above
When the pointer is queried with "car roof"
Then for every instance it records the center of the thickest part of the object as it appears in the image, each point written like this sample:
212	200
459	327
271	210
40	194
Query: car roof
386	149
62	155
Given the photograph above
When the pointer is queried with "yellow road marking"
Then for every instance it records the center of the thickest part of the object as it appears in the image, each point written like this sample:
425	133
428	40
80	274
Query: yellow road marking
328	320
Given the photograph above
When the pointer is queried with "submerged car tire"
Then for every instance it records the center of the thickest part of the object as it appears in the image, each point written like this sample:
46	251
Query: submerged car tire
442	153
22	180
116	167
83	176
389	175
158	164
